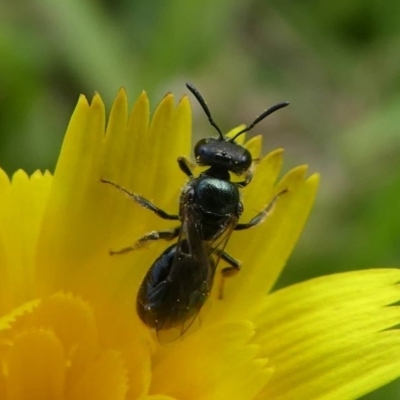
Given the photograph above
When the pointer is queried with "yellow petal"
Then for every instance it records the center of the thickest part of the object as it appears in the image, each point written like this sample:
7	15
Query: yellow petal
8	320
330	338
36	367
217	362
156	176
5	188
173	128
265	249
126	149
138	147
73	322
254	145
74	204
260	190
105	379
233	132
81	339
20	223
117	152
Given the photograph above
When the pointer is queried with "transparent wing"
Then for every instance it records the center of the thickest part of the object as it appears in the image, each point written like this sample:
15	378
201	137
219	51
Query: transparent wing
216	246
192	272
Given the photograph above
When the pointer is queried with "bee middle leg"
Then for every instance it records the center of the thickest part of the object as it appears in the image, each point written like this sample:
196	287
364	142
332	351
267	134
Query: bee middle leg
227	272
260	217
149	237
137	198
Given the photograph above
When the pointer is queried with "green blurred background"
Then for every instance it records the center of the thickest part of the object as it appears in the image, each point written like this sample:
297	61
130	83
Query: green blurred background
337	62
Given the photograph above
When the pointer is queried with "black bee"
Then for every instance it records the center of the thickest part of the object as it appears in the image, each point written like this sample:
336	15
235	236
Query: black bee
180	280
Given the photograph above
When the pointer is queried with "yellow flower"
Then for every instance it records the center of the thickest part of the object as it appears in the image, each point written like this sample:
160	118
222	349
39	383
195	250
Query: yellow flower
69	328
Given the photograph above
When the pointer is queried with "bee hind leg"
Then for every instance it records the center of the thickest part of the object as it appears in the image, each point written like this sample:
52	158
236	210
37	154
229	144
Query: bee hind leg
227	272
149	237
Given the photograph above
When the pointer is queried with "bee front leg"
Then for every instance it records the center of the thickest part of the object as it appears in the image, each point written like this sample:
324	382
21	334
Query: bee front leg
186	166
247	179
149	237
137	198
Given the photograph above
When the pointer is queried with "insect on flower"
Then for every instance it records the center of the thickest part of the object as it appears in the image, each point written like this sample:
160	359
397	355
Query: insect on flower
180	280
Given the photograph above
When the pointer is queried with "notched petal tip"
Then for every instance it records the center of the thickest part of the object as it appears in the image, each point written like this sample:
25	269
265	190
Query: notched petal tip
274	157
163	112
142	100
314	179
266	172
79	116
168	95
184	105
97	104
294	178
82	101
254	145
4	178
184	97
70	317
121	100
8	320
242	138
39	175
279	150
122	91
183	108
19	176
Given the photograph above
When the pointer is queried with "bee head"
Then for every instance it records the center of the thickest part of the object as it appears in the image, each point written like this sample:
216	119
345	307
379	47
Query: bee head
223	152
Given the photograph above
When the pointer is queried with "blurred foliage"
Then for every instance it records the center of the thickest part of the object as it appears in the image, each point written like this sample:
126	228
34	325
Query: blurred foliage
335	61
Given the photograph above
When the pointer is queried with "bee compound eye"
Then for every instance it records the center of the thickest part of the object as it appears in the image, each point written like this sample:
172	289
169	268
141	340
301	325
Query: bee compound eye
200	149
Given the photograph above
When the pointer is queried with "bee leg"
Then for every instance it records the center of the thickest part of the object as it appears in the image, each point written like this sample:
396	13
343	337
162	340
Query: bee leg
185	165
227	272
151	236
247	180
142	201
260	217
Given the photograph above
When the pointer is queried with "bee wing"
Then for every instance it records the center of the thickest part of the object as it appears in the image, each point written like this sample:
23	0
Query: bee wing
211	253
193	252
191	239
194	263
216	245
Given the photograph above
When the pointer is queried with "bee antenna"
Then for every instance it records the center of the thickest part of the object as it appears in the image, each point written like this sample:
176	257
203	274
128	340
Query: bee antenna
265	114
206	110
